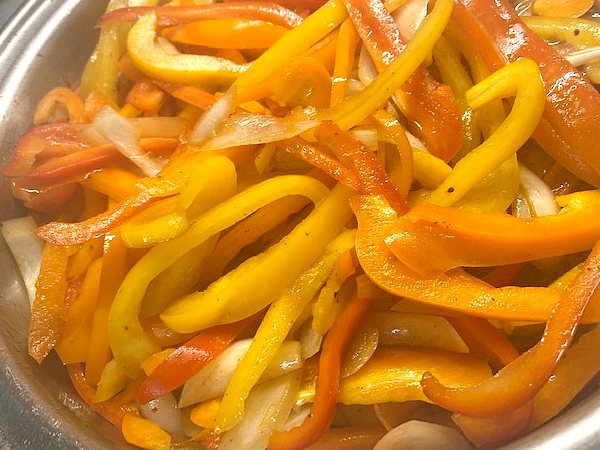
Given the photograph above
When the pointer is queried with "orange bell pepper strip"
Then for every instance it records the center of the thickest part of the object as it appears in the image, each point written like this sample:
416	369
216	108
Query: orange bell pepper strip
571	118
356	156
189	94
227	33
144	433
455	290
173	15
188	359
146	96
480	239
521	380
347	42
328	380
430	106
49	311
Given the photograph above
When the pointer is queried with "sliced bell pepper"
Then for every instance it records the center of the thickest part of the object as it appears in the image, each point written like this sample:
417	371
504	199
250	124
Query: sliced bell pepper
578	32
477	239
187	360
422	99
557	8
170	65
227	33
172	15
346	45
571	118
64	97
521	380
328	380
455	290
144	433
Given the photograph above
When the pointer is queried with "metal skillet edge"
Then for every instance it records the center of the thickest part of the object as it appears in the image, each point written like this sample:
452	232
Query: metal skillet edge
44	45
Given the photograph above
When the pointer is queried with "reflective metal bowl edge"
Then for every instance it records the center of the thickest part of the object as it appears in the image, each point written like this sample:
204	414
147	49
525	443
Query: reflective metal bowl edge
43	46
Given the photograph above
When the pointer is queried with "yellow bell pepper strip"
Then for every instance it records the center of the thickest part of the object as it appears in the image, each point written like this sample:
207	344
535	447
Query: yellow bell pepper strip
169	65
173	15
564	132
357	107
321	160
112	410
519	381
239	293
485	340
204	414
328	380
478	239
324	50
227	33
578	32
73	345
455	290
115	182
402	173
101	71
112	273
275	327
520	79
557	8
572	374
129	343
422	99
311	30
356	156
144	433
346	44
49	311
188	359
113	380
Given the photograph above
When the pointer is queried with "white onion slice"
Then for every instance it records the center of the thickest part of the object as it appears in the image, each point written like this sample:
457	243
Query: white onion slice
360	349
246	128
164	412
266	410
367	71
367	136
539	194
118	130
147	127
418	435
212	380
310	340
585	56
410	16
26	248
213	118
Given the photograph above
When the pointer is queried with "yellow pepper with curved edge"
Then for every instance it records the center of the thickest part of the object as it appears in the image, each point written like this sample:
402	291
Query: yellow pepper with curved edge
163	62
580	32
261	279
520	79
359	106
275	327
128	341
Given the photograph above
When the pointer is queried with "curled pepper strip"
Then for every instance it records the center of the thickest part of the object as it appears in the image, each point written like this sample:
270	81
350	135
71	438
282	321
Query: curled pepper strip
172	15
421	98
564	132
328	381
520	79
480	239
455	289
522	379
129	342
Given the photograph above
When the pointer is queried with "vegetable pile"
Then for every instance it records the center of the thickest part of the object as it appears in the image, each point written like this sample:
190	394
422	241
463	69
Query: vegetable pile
318	223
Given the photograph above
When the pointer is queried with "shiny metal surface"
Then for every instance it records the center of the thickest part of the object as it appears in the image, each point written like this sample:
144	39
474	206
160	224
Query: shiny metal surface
44	46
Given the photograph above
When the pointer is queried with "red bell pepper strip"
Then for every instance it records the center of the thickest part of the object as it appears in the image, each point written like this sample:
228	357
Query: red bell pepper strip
354	155
430	106
173	15
571	119
328	380
519	381
188	359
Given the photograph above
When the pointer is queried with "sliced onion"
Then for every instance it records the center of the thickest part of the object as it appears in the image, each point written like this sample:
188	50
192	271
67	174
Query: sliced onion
354	86
524	8
213	118
267	409
26	248
164	412
360	349
410	16
538	194
212	380
585	56
310	340
297	417
244	128
118	130
367	136
367	71
418	435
